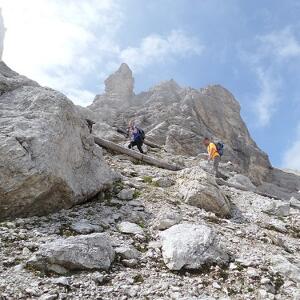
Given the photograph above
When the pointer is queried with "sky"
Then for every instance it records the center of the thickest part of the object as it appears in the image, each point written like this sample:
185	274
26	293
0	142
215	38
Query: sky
252	48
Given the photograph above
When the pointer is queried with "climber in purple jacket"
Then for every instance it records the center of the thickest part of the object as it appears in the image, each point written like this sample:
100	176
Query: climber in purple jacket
137	136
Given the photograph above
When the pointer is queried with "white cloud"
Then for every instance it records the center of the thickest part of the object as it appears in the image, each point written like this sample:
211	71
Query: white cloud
158	49
266	101
273	51
291	157
66	44
282	44
59	43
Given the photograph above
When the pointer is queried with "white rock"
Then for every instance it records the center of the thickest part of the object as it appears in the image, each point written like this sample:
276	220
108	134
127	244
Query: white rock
295	203
163	182
64	281
84	227
166	219
242	180
281	265
191	246
278	208
253	273
84	252
199	188
126	194
128	227
128	252
48	159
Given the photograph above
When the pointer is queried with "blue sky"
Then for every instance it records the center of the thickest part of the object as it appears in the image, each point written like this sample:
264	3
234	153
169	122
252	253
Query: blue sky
250	47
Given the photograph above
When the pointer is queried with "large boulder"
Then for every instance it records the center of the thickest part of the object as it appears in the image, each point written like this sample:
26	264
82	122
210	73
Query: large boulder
86	252
198	188
48	159
191	246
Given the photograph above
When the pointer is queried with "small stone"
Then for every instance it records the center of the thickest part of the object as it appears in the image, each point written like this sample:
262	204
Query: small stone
265	280
126	194
98	278
163	182
128	252
251	272
84	227
131	228
130	262
26	251
216	285
49	297
63	281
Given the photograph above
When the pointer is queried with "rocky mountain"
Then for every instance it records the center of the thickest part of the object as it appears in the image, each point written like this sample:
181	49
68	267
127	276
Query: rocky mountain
81	222
179	118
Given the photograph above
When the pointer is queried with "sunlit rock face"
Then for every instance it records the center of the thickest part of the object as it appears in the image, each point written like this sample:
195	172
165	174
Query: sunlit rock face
178	118
2	33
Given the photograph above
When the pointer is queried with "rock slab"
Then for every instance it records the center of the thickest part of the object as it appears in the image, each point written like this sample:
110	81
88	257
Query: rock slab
48	159
191	246
198	188
84	252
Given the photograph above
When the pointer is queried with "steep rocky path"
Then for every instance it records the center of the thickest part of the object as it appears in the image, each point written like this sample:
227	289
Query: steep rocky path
260	239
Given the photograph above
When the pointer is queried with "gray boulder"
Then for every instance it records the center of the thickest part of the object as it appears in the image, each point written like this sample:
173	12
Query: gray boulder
242	180
131	228
84	252
126	194
128	252
84	227
167	218
198	188
278	208
191	246
48	159
284	267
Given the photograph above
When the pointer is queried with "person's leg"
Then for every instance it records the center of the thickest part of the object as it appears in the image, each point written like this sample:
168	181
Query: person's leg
216	166
139	145
131	145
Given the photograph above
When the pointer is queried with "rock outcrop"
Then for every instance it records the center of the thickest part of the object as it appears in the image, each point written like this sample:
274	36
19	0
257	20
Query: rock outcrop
191	246
48	159
198	188
179	118
86	252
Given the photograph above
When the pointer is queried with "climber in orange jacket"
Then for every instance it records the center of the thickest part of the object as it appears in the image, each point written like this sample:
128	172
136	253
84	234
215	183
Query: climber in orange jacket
213	155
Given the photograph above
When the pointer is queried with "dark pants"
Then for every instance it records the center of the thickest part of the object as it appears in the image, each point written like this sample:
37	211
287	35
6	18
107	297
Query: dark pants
216	166
137	143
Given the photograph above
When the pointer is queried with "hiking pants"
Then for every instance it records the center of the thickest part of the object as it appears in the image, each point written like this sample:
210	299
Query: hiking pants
137	143
216	165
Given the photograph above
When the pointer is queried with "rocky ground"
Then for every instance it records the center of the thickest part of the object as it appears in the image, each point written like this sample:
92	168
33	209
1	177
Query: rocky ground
253	254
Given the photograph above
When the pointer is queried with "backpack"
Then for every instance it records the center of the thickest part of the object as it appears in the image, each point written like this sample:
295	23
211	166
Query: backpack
142	133
220	148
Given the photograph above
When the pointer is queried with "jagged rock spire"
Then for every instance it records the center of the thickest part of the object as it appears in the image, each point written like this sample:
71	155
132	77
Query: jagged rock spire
120	84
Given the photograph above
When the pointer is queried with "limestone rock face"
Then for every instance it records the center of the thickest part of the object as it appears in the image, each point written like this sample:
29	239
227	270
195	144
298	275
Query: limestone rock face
120	84
48	159
2	34
191	246
84	252
198	188
118	93
179	118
